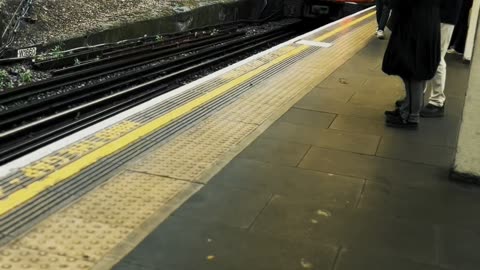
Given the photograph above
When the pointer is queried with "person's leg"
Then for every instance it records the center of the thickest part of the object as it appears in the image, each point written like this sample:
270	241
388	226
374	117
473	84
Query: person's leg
462	39
437	96
384	17
415	100
408	114
462	28
405	105
379	7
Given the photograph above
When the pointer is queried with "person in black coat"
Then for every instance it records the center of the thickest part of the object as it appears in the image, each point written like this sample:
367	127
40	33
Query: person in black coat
413	53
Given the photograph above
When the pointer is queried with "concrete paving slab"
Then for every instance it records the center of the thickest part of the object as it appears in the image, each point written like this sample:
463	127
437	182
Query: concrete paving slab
340	108
293	183
376	98
232	206
369	67
458	248
178	245
440	132
327	138
389	171
354	259
308	118
416	152
276	151
336	89
130	266
454	205
308	220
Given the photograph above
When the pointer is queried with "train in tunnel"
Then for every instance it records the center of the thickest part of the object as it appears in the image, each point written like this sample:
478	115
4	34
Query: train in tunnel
323	8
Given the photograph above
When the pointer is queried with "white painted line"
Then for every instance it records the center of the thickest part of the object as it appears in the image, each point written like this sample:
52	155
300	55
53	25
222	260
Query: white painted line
21	162
315	43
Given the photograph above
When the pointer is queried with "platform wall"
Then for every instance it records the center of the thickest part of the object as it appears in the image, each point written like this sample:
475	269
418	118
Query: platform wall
467	160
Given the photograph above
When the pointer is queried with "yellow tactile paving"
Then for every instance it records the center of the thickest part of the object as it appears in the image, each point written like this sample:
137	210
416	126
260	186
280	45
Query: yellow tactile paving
217	132
248	112
84	233
74	237
19	258
127	201
189	155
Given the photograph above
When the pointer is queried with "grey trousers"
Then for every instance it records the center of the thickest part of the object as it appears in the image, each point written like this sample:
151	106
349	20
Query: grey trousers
410	110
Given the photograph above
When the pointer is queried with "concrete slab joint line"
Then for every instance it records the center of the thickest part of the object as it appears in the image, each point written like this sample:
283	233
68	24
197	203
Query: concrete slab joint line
106	224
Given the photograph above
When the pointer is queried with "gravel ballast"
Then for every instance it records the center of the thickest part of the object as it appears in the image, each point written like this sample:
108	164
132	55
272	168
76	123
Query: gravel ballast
57	20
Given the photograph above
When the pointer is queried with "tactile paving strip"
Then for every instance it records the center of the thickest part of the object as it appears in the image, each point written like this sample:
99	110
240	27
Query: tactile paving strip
19	258
126	201
192	153
74	237
257	63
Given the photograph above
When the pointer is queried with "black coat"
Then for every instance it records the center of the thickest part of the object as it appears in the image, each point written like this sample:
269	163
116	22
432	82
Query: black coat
413	50
450	10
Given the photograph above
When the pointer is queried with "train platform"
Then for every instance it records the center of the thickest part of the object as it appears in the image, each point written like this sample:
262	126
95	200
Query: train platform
281	161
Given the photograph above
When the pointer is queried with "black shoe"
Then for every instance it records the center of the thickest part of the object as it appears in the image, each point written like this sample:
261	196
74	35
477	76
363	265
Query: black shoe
399	103
431	111
399	122
395	113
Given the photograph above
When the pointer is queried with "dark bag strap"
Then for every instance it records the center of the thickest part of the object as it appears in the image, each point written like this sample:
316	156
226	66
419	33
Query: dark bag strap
392	20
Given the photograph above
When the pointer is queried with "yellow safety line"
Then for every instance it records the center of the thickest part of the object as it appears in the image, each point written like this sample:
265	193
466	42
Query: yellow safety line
24	195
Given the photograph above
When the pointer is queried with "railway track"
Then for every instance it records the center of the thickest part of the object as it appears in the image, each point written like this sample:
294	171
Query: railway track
78	96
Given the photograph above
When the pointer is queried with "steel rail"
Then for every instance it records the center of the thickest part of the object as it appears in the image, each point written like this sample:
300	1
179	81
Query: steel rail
126	51
143	54
95	72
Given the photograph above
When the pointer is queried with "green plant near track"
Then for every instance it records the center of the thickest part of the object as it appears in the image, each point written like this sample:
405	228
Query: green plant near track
26	76
40	57
57	52
4	79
